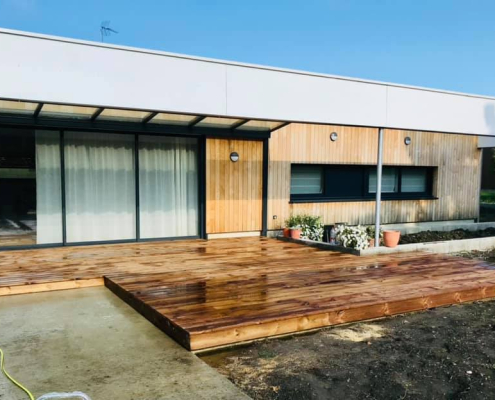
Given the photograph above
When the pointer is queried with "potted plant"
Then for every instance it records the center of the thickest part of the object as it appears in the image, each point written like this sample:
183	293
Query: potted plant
286	231
391	238
292	223
370	230
295	232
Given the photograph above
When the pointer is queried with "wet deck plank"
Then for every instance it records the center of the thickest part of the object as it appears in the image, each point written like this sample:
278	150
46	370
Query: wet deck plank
219	292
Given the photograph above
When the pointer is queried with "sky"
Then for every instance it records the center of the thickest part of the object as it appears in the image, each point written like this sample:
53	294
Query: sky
443	44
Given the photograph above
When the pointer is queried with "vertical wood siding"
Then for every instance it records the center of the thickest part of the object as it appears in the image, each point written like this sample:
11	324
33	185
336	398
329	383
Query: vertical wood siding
233	189
456	183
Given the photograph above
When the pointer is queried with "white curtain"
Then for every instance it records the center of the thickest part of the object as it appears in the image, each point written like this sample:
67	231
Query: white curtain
168	186
48	188
99	186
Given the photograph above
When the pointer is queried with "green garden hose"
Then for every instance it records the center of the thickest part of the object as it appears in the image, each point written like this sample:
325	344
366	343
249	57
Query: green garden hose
2	366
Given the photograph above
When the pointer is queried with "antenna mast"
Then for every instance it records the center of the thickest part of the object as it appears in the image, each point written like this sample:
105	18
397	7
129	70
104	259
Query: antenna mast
105	30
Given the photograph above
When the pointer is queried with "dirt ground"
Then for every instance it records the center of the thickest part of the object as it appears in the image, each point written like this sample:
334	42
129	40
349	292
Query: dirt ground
445	353
488	255
434	236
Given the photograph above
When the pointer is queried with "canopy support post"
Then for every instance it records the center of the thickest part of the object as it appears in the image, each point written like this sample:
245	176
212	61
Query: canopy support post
378	204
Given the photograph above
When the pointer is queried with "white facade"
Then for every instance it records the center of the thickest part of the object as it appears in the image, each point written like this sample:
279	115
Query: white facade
56	70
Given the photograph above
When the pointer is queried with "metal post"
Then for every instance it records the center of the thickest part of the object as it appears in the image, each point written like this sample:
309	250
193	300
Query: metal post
378	204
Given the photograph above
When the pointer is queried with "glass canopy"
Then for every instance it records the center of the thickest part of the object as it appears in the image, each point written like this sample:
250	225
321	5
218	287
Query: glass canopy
215	122
17	107
172	119
59	111
53	110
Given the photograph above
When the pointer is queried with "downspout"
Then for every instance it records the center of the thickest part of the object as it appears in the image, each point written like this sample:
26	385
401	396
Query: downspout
378	200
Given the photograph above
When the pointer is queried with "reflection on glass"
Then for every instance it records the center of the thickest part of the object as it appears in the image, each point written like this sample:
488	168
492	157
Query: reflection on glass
390	180
30	190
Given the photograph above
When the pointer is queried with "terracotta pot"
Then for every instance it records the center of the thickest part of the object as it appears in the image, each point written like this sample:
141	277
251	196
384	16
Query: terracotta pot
372	242
295	233
391	238
286	232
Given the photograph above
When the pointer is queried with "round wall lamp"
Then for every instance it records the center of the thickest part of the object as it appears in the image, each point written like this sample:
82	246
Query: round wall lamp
234	157
334	136
407	140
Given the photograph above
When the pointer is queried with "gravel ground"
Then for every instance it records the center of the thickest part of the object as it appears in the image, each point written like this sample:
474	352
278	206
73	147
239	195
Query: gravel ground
488	255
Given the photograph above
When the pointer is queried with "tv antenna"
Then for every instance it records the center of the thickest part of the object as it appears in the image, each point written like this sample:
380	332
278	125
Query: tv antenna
106	30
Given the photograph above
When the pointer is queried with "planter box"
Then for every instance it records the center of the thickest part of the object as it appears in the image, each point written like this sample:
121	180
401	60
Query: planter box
321	245
447	246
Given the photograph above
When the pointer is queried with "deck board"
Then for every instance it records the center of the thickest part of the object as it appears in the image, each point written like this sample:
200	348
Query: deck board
213	293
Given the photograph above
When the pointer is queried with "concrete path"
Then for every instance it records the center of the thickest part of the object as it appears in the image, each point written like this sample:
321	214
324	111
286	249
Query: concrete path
89	340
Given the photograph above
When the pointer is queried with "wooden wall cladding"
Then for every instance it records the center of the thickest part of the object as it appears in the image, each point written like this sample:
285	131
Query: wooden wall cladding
456	184
233	189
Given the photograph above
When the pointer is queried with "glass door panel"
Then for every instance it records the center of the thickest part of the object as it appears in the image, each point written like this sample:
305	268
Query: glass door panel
30	187
168	186
100	187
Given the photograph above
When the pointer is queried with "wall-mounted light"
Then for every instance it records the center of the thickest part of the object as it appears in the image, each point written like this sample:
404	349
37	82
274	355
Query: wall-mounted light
234	157
334	136
407	140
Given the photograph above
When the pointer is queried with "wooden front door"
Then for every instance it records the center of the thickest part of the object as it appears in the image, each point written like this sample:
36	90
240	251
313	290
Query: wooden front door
234	189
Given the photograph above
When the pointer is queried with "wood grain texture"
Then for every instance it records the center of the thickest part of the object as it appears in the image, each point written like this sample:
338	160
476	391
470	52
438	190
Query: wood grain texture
212	293
50	286
456	184
233	189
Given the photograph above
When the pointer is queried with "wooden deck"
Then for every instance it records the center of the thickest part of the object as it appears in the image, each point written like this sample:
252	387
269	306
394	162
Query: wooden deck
219	292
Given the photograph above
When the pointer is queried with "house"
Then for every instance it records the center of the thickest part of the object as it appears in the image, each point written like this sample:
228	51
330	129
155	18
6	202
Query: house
103	143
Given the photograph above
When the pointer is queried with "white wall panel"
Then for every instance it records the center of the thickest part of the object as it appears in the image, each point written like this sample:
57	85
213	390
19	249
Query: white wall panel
435	111
58	70
267	94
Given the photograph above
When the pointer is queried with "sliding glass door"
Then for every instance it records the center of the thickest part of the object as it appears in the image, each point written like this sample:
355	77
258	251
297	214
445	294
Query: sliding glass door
95	187
168	187
30	187
99	187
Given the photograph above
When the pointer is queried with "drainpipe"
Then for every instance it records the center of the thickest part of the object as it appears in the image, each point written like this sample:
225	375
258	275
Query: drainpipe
378	204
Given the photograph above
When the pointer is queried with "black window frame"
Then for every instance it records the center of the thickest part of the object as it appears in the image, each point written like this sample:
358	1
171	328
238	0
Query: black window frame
400	195
364	194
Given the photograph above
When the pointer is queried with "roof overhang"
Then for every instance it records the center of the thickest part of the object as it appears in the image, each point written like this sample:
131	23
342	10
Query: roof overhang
154	86
52	115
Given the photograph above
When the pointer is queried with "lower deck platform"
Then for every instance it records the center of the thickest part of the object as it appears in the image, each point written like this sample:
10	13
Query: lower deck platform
214	293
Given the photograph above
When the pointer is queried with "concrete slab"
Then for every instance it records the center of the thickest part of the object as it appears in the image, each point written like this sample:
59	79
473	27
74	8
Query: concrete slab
89	340
442	247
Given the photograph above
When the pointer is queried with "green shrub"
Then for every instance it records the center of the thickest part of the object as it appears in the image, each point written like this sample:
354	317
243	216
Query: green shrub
355	237
294	221
310	225
370	230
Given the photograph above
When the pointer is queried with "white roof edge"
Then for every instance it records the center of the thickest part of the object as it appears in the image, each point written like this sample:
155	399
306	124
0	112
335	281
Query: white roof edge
233	63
